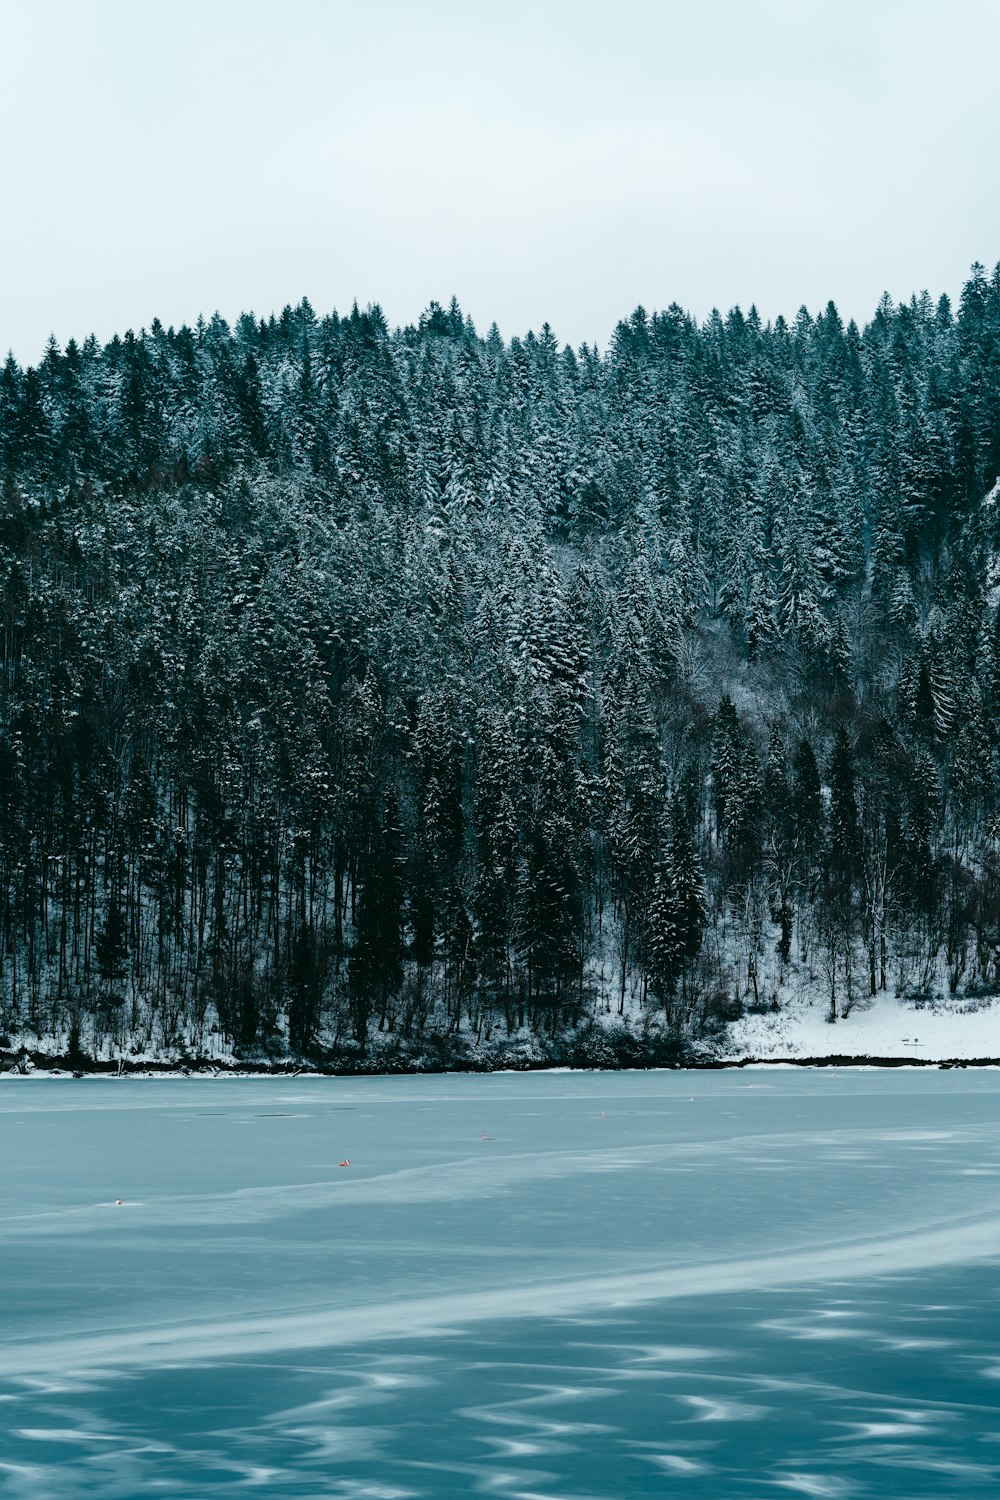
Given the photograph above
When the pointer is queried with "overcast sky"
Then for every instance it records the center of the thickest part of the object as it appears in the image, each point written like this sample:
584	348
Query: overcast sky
542	161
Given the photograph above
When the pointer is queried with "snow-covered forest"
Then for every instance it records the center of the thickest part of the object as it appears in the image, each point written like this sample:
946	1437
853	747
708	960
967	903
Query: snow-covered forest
364	687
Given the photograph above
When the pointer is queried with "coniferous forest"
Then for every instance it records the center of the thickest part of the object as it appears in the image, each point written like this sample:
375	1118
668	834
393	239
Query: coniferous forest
371	692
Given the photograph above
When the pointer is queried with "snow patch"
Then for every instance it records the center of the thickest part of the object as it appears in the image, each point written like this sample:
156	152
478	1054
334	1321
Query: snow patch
883	1028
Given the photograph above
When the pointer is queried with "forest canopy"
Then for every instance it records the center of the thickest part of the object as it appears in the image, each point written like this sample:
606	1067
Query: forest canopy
364	683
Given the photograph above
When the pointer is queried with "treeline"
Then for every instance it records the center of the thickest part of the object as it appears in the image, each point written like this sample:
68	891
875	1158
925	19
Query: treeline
362	680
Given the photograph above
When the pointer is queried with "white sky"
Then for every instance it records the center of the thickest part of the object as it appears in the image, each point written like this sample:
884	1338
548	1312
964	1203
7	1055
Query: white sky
563	160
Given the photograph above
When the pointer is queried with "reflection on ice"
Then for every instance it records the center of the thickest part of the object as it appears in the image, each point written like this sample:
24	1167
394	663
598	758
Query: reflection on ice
372	1386
675	1464
64	1435
354	1489
810	1330
822	1486
706	1410
645	1354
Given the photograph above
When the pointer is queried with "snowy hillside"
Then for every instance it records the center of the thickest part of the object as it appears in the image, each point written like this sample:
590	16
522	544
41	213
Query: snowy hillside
882	1030
404	694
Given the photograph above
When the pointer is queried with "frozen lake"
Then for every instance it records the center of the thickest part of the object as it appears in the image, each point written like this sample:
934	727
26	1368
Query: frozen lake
714	1285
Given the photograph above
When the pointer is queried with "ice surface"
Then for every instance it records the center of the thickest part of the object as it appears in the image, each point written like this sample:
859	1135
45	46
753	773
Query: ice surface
639	1284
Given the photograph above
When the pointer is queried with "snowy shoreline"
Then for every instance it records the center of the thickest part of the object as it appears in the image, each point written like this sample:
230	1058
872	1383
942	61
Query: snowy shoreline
174	1070
51	1067
879	1031
876	1033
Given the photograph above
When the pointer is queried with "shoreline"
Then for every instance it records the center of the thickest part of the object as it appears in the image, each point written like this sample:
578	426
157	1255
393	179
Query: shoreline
13	1065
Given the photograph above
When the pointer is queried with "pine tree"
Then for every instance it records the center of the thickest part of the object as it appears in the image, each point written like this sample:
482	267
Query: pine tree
377	960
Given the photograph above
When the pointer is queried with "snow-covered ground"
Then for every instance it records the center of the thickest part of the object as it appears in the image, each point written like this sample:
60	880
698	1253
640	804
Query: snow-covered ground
882	1028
